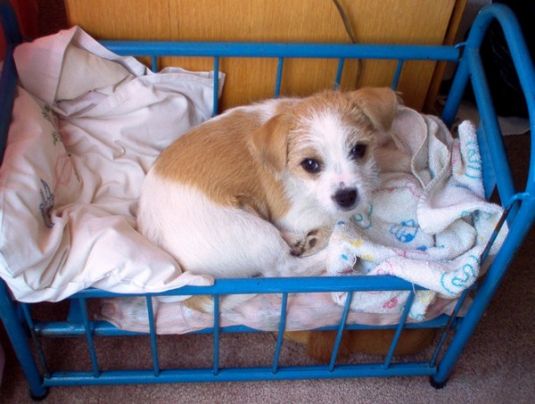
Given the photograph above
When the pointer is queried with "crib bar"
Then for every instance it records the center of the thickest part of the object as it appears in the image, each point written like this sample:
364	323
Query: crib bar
488	172
18	338
154	63
340	332
449	325
285	50
395	80
399	329
490	124
278	81
89	338
35	339
215	367
215	98
456	93
105	329
339	71
237	374
276	285
74	314
280	335
515	200
153	340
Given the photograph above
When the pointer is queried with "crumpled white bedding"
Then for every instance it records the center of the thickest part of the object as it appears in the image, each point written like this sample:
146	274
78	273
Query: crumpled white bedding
86	127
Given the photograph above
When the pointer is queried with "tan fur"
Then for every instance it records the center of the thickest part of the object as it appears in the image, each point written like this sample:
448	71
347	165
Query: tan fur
314	241
235	159
378	104
367	110
216	158
269	143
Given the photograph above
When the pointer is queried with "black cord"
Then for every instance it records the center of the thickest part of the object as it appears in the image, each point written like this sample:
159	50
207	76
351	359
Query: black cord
349	30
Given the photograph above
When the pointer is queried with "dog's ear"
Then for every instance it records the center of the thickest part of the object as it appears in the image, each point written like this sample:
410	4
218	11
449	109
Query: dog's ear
269	143
379	104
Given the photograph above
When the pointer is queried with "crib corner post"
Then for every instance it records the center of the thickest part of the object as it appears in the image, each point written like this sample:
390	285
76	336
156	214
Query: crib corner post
460	81
436	384
19	342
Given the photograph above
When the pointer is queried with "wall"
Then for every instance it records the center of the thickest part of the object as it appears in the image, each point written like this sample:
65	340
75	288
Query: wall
390	21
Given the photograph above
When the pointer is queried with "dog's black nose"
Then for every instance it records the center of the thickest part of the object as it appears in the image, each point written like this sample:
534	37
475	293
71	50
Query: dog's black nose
346	197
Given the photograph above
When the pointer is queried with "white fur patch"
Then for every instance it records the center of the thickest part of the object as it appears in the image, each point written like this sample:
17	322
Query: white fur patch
327	133
208	238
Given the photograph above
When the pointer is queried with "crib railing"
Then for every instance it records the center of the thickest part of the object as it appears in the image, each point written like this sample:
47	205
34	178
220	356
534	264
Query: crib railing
78	324
282	51
519	214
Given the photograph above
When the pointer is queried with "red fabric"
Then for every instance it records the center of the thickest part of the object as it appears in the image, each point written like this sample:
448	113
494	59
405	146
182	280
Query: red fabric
27	13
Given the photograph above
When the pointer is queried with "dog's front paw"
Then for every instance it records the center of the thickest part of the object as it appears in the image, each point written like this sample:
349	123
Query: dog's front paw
314	241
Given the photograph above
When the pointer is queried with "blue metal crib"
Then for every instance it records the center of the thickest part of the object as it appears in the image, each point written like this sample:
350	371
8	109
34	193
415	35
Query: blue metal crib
26	333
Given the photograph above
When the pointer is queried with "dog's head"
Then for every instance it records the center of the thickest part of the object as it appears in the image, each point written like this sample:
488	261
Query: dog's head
323	146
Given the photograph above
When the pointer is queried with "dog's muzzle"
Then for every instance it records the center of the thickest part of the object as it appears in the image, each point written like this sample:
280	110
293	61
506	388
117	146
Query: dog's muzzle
346	198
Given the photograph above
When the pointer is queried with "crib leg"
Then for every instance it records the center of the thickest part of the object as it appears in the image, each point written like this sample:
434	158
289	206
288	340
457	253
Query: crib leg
19	342
486	291
42	397
437	385
466	327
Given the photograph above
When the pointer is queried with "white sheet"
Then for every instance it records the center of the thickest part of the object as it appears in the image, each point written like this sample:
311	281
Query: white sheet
76	157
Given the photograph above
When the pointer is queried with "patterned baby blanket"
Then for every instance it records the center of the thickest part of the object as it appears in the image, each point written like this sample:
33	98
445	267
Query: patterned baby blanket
428	222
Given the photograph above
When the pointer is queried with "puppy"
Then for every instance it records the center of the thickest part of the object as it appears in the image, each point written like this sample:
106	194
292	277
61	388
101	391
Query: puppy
257	190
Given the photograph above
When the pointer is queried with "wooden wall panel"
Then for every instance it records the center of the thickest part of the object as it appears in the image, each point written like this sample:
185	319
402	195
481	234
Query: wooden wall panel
386	21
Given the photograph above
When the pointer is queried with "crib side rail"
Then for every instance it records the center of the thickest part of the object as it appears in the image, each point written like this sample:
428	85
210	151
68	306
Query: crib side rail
520	206
471	69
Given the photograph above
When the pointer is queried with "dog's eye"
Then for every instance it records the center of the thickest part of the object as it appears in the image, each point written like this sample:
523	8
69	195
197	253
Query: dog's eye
358	151
311	165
